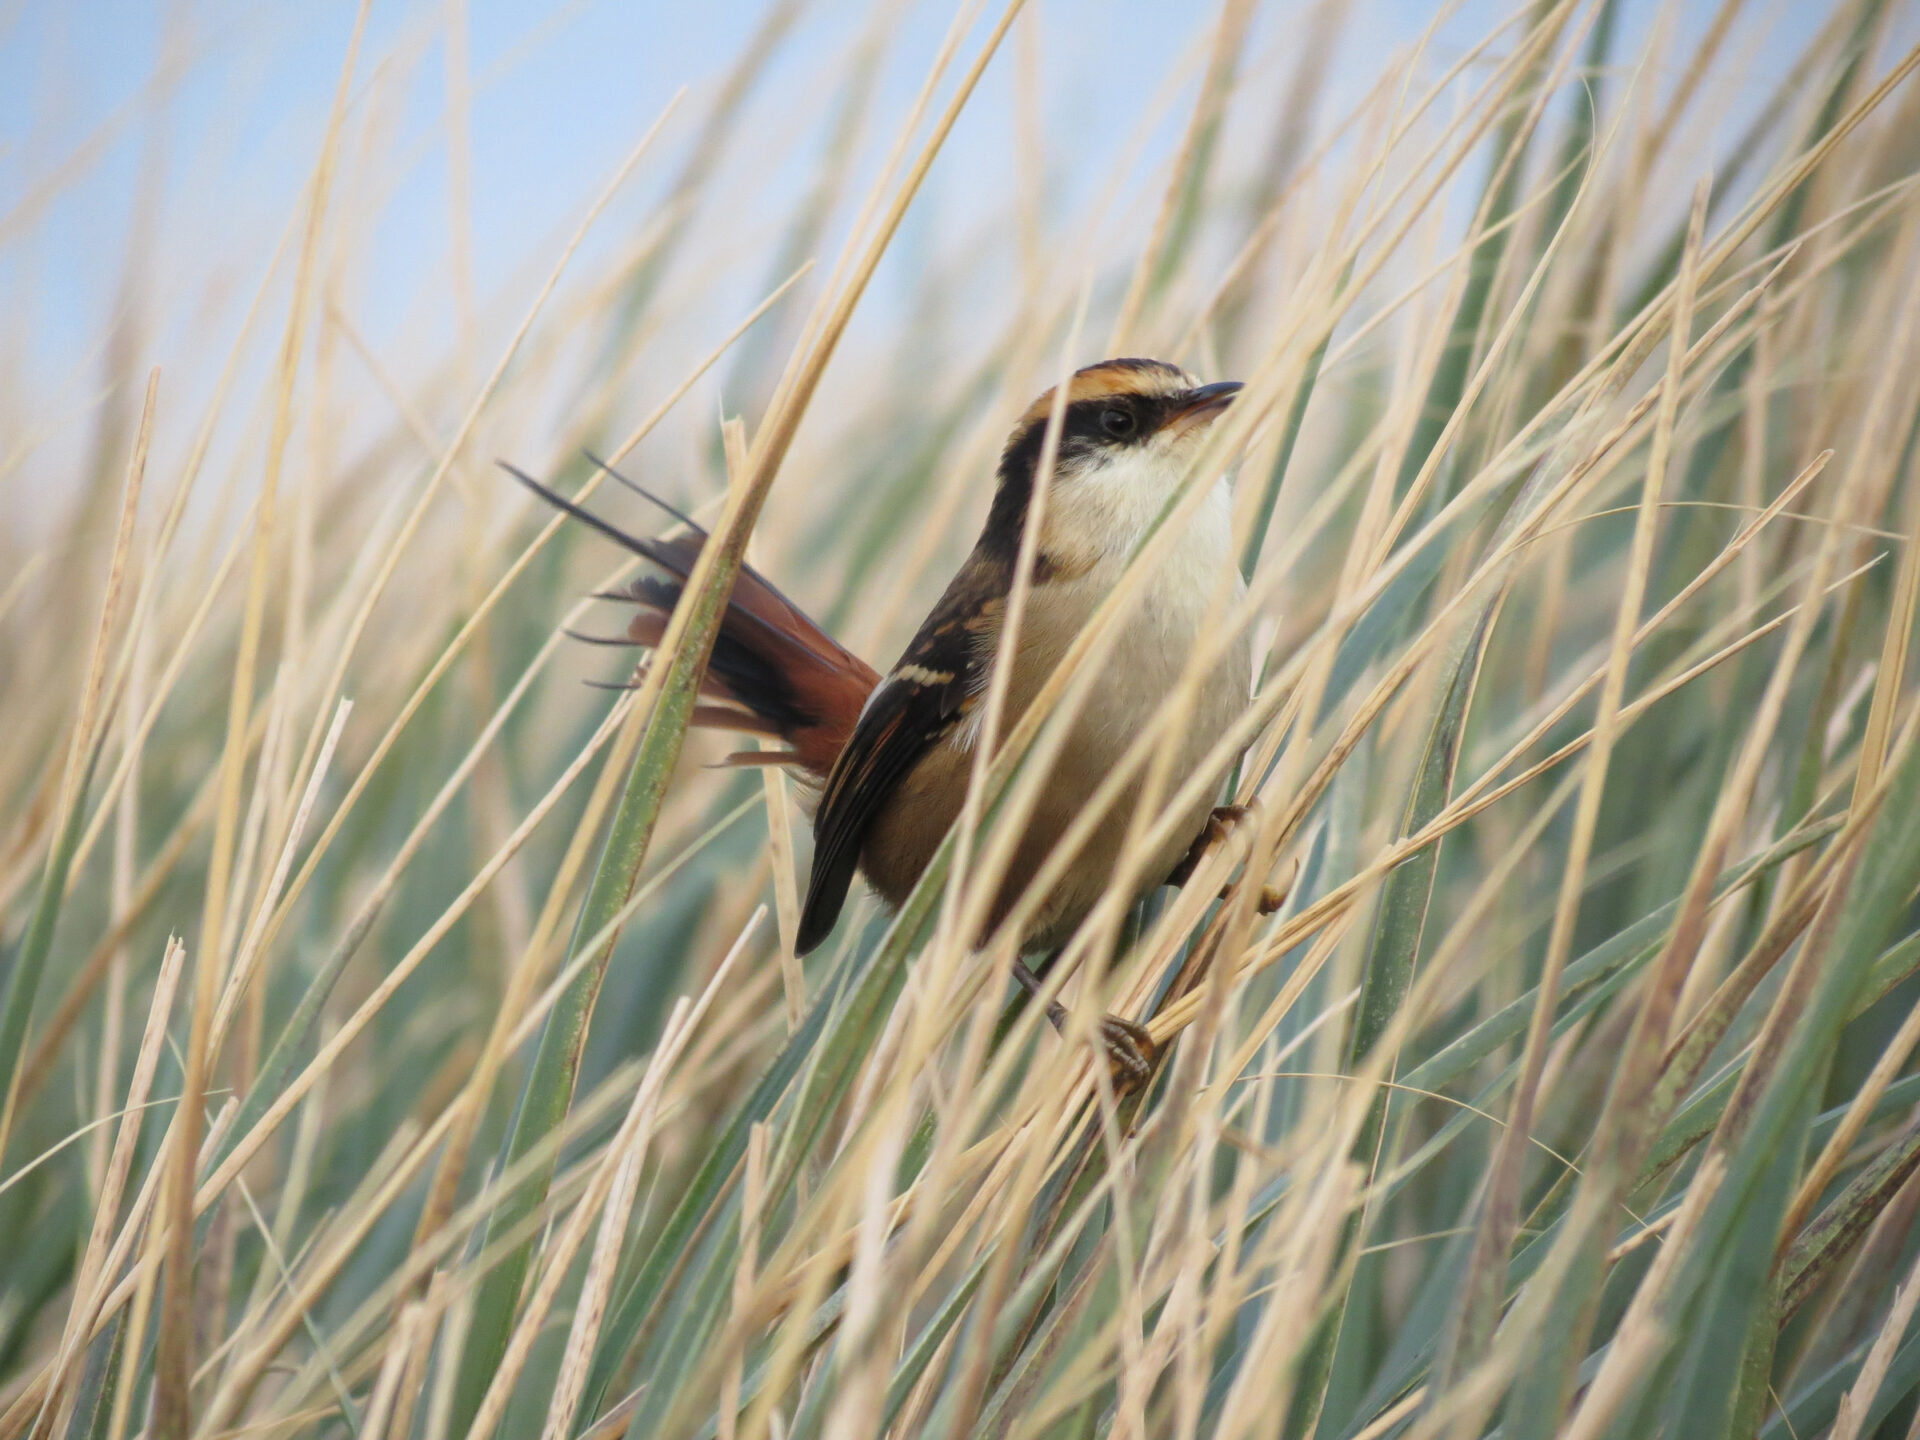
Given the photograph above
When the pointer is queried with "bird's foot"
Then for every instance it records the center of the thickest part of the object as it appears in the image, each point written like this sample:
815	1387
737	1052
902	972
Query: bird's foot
1220	823
1131	1052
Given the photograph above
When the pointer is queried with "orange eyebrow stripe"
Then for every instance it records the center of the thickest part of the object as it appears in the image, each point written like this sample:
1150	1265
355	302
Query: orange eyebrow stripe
1097	380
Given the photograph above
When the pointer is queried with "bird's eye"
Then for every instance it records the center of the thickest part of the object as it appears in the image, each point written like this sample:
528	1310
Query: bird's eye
1117	422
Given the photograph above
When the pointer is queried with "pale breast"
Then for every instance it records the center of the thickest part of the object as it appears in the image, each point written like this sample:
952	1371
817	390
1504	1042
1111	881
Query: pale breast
1143	669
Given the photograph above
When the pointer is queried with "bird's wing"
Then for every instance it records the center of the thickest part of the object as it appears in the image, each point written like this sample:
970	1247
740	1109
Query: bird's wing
913	709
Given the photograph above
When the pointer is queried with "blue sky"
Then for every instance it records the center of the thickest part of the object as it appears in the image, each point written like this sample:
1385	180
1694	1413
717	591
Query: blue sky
561	92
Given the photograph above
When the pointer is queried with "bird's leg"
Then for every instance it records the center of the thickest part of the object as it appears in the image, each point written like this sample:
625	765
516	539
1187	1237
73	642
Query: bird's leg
1219	825
1129	1045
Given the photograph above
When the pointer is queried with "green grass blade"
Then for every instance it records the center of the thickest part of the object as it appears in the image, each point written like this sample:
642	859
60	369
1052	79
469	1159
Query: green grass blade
1387	974
548	1089
1283	457
865	1000
30	956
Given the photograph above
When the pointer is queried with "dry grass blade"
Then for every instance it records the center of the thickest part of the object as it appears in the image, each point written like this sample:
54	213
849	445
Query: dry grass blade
1487	1269
625	1152
23	977
139	1086
1853	1409
173	1364
1583	744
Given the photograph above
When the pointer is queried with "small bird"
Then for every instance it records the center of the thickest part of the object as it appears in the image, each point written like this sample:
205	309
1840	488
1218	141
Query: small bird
884	761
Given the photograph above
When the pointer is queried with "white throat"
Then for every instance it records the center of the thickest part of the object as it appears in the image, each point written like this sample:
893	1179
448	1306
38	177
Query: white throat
1097	517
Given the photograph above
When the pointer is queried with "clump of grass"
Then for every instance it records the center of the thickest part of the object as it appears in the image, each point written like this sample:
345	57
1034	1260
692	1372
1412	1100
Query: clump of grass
400	1039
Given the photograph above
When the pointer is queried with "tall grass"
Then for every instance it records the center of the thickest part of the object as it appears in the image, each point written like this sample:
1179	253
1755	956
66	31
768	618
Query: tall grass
400	1038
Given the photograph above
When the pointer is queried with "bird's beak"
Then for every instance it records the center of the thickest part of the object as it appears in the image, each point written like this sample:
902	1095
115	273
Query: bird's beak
1202	404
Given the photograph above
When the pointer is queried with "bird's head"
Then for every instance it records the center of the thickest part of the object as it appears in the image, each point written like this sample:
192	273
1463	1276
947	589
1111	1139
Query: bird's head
1128	435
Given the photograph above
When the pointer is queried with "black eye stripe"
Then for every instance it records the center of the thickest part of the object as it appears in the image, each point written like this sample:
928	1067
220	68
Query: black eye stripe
1082	430
1088	419
1082	438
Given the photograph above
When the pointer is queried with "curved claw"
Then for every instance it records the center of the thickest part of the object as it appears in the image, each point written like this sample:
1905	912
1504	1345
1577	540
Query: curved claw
1131	1052
1224	817
1220	823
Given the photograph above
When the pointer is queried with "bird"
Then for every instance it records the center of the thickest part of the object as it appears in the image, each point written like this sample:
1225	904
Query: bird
883	760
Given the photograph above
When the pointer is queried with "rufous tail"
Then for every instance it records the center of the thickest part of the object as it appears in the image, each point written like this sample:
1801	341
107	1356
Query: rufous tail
773	672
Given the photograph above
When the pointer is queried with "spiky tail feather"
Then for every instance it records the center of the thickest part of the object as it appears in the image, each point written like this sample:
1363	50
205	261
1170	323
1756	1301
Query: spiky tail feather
773	672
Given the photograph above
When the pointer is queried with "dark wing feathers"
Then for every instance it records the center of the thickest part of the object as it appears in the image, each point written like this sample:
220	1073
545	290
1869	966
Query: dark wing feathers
775	673
905	720
916	706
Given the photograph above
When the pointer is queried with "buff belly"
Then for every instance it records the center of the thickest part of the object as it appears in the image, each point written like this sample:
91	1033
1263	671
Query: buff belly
1145	667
